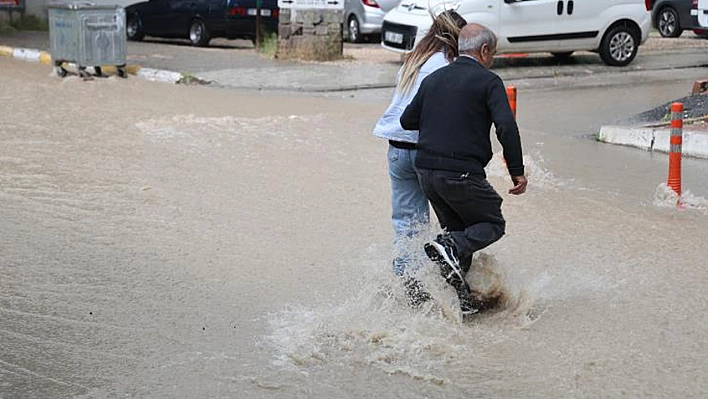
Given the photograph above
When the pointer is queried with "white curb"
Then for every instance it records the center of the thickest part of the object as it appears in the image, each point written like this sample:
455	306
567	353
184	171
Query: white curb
155	75
26	54
695	144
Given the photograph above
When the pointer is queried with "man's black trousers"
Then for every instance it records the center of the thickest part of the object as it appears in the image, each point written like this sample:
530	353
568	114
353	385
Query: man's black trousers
467	207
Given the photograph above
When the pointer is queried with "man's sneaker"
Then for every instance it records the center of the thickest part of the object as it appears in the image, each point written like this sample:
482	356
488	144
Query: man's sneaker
442	251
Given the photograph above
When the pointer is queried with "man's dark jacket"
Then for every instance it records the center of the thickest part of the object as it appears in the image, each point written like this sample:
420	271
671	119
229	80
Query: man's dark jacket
454	110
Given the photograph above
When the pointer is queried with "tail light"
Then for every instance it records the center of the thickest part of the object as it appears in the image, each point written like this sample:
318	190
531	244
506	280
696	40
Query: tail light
238	11
370	3
694	5
243	11
647	4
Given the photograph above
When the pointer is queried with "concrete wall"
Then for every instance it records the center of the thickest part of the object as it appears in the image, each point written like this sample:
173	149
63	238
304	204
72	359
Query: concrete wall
310	34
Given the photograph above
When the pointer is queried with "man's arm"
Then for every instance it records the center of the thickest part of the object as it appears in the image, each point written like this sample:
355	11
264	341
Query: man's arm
410	119
507	134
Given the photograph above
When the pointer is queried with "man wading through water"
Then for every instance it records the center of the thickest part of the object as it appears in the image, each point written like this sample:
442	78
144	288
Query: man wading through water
453	111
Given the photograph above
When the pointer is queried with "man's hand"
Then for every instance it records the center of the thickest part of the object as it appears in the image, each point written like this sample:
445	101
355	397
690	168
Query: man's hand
520	183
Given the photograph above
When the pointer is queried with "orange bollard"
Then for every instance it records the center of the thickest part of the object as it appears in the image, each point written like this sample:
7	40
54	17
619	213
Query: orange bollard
511	95
674	181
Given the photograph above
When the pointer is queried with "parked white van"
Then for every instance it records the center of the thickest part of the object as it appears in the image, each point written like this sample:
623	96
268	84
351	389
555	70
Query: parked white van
613	28
702	13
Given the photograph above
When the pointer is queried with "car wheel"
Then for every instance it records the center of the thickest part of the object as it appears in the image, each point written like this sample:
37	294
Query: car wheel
134	28
619	46
198	34
668	23
353	30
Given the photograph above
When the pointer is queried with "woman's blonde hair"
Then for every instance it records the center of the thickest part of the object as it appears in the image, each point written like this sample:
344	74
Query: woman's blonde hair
442	36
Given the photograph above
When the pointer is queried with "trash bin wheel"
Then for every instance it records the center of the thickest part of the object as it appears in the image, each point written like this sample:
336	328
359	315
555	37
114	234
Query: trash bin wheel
59	69
122	72
83	73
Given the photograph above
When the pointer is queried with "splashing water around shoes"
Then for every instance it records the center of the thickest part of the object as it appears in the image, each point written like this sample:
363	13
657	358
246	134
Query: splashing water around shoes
376	325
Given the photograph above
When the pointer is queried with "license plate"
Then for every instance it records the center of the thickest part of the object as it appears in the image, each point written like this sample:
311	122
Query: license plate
393	37
264	12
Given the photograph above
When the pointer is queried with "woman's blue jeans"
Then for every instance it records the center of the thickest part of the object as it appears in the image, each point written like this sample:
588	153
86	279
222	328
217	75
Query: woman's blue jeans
408	203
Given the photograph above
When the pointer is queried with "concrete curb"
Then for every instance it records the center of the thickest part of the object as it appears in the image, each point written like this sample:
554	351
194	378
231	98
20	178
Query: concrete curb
43	57
695	143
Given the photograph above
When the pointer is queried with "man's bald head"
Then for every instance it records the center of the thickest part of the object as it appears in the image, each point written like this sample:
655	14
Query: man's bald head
479	42
473	37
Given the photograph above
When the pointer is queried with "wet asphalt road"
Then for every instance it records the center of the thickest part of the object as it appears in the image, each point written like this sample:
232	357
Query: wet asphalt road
177	241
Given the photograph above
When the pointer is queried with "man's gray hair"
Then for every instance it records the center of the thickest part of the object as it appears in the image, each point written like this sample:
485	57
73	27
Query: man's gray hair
473	44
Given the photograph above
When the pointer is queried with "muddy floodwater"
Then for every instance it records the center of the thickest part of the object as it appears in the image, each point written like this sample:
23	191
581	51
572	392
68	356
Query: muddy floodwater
162	241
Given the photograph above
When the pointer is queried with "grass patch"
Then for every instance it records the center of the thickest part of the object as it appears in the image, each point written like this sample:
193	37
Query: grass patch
269	45
25	22
7	28
189	79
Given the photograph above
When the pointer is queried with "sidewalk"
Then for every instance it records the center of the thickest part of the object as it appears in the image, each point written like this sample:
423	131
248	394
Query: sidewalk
651	130
695	139
232	64
235	64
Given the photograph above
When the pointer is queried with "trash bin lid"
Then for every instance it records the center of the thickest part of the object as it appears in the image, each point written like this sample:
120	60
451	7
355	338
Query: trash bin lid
82	5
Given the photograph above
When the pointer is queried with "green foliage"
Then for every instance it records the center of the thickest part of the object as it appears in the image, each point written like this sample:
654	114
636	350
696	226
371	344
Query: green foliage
189	79
269	44
25	22
7	28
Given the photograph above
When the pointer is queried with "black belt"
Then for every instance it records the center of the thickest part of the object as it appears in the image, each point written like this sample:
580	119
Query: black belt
402	145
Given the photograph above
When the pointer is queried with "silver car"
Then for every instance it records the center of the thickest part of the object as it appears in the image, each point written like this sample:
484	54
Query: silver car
363	18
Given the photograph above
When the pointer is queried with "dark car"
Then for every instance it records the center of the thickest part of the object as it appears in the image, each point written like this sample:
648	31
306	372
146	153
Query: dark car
672	17
199	20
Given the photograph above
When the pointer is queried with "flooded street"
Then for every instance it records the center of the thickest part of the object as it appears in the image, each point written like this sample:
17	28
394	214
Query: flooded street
169	241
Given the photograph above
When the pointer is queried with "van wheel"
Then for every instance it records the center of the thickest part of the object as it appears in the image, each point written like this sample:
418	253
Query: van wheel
668	23
198	34
353	30
619	46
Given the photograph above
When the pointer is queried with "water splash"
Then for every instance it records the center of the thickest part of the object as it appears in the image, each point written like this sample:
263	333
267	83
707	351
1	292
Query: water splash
665	197
537	174
376	326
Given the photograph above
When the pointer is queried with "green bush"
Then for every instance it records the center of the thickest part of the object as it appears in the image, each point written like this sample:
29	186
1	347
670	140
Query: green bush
7	28
269	44
26	22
